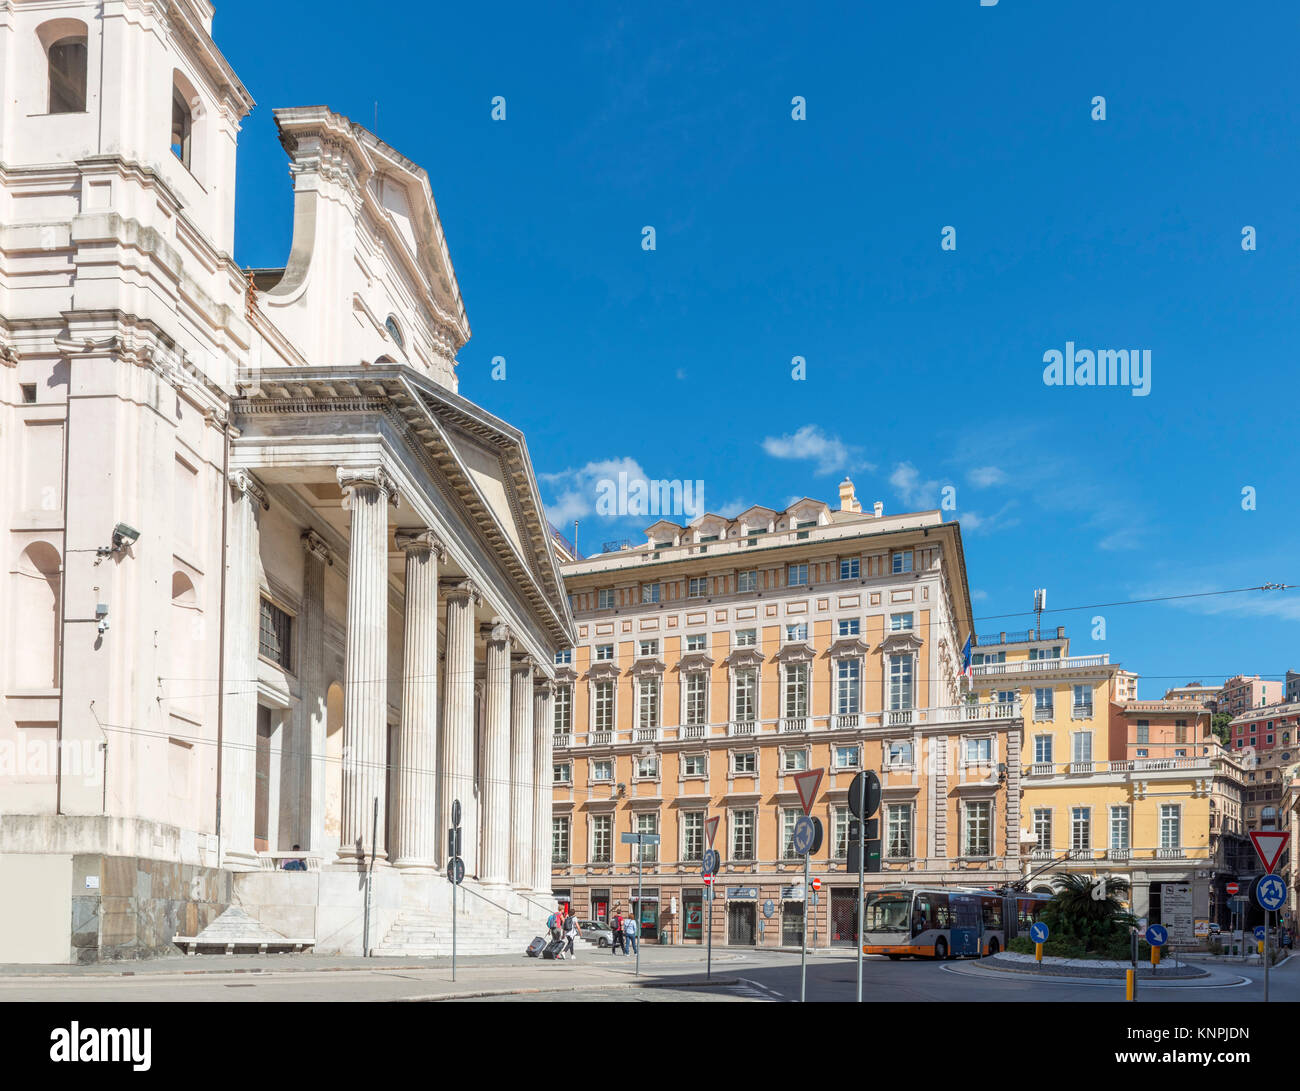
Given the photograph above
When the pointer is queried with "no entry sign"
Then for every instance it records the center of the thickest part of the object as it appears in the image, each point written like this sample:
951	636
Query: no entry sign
816	884
1232	888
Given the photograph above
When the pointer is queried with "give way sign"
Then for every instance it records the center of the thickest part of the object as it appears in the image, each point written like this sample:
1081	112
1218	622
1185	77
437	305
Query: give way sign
1269	846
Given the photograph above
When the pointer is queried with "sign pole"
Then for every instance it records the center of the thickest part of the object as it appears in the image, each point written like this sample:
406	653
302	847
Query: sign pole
639	938
708	972
1268	928
370	871
803	951
862	883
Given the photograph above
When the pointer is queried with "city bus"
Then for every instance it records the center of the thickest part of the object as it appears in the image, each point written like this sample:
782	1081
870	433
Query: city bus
946	922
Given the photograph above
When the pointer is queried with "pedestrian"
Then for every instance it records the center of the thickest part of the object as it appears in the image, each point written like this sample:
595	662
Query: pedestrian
616	934
629	931
295	865
571	932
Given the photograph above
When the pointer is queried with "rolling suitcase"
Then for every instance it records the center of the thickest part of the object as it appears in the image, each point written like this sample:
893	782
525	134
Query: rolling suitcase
553	948
534	949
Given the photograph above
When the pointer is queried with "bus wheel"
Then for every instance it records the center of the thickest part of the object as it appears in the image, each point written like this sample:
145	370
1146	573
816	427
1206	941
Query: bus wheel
940	948
993	947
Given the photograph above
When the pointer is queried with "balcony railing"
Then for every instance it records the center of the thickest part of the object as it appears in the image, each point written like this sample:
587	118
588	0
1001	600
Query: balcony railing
694	731
646	734
1081	712
842	720
742	727
1117	854
1169	854
601	738
1081	768
1041	769
793	723
900	716
1040	854
1032	666
1043	713
563	740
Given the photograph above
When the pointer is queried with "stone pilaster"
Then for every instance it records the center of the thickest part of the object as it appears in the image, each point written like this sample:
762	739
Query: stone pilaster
239	720
456	744
543	741
307	753
521	774
367	493
495	867
416	828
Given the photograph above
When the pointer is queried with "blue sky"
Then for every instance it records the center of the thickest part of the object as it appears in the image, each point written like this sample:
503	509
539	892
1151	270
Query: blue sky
820	239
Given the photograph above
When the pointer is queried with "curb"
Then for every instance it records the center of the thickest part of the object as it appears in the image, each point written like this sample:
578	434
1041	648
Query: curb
530	991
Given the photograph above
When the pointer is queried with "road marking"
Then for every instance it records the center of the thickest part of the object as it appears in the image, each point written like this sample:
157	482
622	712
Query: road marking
1143	983
769	994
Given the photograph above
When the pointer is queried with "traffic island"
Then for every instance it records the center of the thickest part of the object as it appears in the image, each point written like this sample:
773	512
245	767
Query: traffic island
1101	968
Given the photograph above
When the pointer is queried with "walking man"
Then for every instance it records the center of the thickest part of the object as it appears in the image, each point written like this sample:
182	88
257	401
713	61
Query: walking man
629	931
616	934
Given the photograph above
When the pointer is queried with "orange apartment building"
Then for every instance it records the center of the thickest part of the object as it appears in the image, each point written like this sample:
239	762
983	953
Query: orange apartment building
718	659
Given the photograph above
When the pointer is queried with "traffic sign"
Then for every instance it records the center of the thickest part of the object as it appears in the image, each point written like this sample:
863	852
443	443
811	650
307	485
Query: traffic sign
815	848
712	861
816	884
640	839
455	812
710	830
1259	931
708	878
1038	932
1157	936
456	870
1271	892
801	838
1232	888
1269	847
453	842
864	794
807	784
769	907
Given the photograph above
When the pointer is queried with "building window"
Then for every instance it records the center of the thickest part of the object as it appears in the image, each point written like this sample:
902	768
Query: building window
1042	749
846	757
649	592
849	568
1043	828
797	575
602	770
979	751
648	648
564	658
900	623
560	840
797	631
794	761
848	626
647	822
977	836
1083	700
898	752
901	562
604	653
182	127
273	637
693	835
646	767
840	818
67	60
1043	702
563	710
898	831
602	839
697	587
796	690
1144	731
696	642
788	819
604	706
744	695
746	638
648	703
1119	828
1171	826
1142	752
900	682
747	581
744	762
848	686
562	772
693	765
605	598
1081	746
1180	731
742	835
1081	829
395	332
697	698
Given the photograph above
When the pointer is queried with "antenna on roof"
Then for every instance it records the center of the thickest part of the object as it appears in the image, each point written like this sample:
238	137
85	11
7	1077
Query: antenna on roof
1040	604
376	117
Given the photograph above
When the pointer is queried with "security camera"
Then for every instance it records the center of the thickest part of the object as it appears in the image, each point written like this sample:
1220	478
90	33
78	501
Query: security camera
103	625
124	536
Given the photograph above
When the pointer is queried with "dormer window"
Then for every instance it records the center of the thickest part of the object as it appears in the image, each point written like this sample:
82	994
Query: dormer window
395	332
67	63
182	127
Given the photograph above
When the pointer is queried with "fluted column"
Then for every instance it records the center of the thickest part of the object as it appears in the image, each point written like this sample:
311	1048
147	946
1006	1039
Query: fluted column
543	740
521	774
367	492
456	745
239	726
495	868
416	829
308	752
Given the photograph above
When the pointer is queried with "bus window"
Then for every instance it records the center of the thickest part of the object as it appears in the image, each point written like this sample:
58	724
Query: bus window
941	916
1028	913
922	914
992	913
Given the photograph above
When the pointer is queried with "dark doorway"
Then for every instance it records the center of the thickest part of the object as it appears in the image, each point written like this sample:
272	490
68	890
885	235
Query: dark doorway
740	923
844	917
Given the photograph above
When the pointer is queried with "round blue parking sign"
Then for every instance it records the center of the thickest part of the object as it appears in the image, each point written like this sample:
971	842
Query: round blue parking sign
1259	931
1157	936
1038	932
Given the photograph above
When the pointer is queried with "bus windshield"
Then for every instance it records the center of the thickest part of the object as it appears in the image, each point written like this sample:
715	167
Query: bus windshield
888	911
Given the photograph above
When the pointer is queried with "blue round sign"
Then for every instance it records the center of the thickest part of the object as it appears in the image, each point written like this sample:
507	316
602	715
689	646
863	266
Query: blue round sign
802	836
711	862
1157	936
1270	892
1038	932
1259	931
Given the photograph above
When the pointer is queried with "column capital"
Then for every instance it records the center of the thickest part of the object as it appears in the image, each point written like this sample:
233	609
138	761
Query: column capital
420	540
496	632
242	483
523	663
544	688
461	589
315	545
374	477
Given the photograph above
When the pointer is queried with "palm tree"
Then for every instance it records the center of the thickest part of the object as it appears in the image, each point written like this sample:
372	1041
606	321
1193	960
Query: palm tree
1090	907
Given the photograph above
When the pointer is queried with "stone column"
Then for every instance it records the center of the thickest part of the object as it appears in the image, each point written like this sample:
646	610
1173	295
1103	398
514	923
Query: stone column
456	746
239	720
367	492
308	750
521	774
495	867
416	829
543	740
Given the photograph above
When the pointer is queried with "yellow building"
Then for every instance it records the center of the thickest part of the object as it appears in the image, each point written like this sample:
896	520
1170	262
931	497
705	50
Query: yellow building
717	660
1114	785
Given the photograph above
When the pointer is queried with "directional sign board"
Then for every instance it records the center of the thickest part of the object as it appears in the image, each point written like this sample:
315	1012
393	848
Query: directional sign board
1269	847
807	784
801	838
1157	936
640	839
711	861
1271	892
710	830
1038	932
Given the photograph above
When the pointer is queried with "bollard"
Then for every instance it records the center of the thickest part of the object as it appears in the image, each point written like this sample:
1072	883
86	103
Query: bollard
1155	956
1130	984
1038	952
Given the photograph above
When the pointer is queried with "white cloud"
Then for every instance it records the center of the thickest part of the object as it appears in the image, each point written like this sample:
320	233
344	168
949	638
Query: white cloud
986	524
1124	538
829	452
984	476
916	493
978	596
573	492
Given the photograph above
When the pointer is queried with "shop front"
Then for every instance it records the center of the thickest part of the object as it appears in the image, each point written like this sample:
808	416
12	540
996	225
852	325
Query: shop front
742	915
693	915
646	912
792	916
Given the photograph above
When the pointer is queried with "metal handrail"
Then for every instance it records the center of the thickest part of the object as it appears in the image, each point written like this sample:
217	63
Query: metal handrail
508	912
539	905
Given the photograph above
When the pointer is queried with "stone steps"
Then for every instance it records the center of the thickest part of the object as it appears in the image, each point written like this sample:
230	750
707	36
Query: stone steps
419	933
